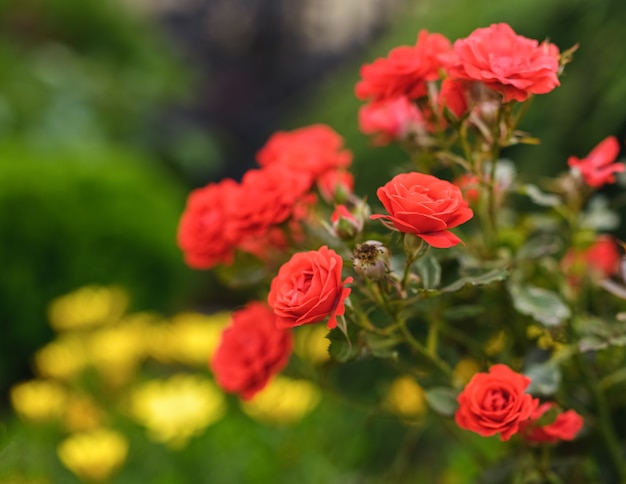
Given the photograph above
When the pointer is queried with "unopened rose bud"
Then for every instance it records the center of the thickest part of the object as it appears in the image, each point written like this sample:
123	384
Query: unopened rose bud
371	259
345	225
336	186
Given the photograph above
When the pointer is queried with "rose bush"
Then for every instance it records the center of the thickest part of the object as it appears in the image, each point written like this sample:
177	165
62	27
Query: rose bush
453	321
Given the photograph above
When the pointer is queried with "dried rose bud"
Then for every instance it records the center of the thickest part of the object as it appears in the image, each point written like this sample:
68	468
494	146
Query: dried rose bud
371	259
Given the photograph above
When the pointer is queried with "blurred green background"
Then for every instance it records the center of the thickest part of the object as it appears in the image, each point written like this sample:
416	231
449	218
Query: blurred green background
112	111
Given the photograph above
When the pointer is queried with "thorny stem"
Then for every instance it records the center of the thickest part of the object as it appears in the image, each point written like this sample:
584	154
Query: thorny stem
421	349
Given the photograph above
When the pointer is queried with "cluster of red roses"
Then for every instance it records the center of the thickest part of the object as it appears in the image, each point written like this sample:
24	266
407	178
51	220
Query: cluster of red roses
222	217
495	58
496	403
491	67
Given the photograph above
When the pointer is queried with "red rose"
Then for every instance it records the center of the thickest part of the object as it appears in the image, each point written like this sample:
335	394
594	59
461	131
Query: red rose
599	261
313	150
205	232
564	427
495	403
469	185
267	197
425	206
252	350
598	168
308	289
453	95
505	62
390	119
404	71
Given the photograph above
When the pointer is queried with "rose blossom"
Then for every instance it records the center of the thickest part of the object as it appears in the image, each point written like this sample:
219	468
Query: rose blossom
425	206
598	168
308	289
390	119
267	197
205	232
251	351
505	62
454	96
404	71
564	427
312	149
600	260
495	403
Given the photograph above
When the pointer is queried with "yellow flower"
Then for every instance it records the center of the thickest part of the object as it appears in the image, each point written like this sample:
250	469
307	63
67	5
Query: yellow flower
62	359
283	401
39	400
312	345
81	414
95	455
86	307
196	336
464	371
176	409
496	344
116	350
406	398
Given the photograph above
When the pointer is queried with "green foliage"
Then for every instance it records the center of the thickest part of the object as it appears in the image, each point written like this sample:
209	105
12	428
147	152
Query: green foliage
68	221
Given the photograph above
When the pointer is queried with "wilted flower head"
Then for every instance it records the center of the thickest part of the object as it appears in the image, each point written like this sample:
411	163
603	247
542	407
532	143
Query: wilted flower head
371	259
95	455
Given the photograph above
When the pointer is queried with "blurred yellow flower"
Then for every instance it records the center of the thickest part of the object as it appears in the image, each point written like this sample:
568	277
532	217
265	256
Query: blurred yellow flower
82	414
406	398
311	344
39	400
62	359
116	350
176	409
196	336
465	370
94	455
496	344
86	307
283	401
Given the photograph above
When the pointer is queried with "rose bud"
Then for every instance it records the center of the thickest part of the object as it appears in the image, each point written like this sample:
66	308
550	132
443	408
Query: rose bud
371	259
344	224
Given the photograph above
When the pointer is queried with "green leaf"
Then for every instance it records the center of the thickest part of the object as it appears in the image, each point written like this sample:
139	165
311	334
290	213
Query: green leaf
429	270
382	346
599	216
462	311
442	400
543	305
494	275
340	348
545	378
